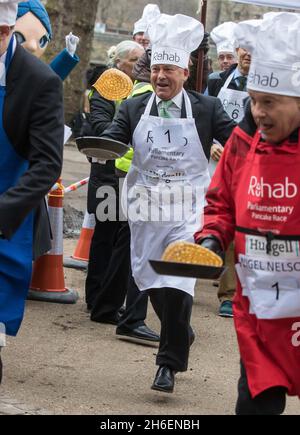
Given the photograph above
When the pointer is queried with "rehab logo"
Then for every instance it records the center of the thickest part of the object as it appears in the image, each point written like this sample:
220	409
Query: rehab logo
261	189
164	56
296	75
263	80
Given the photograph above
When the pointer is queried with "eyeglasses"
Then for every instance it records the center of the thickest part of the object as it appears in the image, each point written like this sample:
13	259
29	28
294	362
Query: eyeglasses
45	39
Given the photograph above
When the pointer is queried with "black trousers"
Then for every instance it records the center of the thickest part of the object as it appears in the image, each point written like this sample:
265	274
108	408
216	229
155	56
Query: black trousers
269	402
109	277
173	308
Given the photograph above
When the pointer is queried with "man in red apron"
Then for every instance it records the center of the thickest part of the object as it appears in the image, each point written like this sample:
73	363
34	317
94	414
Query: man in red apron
254	199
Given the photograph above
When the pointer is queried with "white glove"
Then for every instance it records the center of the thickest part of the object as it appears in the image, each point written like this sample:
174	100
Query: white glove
71	43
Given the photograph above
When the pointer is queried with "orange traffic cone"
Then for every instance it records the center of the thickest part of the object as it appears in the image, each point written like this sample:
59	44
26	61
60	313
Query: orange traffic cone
48	281
80	258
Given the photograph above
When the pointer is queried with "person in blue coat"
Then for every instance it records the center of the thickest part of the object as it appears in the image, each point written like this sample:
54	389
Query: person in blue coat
33	30
31	148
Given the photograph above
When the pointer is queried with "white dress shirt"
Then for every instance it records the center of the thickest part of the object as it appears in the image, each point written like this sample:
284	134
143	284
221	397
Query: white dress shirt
2	65
175	108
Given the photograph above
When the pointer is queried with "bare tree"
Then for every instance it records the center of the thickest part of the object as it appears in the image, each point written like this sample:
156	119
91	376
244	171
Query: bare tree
104	7
78	16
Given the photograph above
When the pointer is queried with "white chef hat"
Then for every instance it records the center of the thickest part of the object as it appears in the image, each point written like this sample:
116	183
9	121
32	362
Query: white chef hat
275	64
173	38
223	37
8	12
150	13
245	34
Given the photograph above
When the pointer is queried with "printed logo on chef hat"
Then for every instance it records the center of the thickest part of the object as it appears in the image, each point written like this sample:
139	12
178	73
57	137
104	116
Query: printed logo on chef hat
173	38
296	75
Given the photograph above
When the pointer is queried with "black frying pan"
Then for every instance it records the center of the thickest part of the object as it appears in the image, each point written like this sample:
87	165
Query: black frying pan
101	148
186	269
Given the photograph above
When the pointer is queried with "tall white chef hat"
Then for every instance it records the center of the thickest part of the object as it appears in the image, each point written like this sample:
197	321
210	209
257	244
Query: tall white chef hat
150	13
223	37
275	64
8	12
245	34
173	38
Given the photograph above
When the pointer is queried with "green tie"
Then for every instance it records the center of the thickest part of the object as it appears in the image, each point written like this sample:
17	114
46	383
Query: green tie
163	109
242	83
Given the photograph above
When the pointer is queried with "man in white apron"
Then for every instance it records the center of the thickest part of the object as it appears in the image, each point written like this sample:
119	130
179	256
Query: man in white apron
231	89
222	36
171	132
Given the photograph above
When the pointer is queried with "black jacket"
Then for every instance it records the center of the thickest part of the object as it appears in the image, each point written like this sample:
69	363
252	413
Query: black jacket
211	119
102	115
34	123
214	85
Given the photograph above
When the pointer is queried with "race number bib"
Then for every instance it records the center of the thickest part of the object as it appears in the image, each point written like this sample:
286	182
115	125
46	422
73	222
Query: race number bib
272	286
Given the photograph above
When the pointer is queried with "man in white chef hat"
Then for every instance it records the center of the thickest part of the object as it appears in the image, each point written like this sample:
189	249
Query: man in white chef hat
254	199
31	142
171	131
231	88
150	13
223	37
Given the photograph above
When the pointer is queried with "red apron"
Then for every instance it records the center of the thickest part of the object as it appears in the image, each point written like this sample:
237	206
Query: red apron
267	316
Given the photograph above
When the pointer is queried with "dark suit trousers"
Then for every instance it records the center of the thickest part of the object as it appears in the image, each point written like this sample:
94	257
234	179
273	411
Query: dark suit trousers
173	308
109	276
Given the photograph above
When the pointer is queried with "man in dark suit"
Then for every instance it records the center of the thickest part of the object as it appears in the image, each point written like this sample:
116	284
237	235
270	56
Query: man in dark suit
239	72
164	159
31	141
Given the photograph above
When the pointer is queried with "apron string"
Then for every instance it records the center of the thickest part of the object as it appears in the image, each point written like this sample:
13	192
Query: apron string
269	235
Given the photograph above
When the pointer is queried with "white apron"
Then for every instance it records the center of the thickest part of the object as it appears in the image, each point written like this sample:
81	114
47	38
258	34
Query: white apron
168	157
232	102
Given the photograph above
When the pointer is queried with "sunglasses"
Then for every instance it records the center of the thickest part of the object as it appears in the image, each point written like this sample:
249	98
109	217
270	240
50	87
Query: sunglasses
45	39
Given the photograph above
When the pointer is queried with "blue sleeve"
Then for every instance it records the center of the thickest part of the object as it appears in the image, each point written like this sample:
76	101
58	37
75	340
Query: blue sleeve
64	63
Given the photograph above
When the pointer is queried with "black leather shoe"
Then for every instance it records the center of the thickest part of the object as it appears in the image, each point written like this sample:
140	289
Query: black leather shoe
192	338
164	380
108	320
141	332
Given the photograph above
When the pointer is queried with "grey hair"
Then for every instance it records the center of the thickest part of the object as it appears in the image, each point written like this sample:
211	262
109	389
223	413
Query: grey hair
120	51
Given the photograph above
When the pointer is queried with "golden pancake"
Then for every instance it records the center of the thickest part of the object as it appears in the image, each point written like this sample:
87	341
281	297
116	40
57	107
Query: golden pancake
113	85
184	252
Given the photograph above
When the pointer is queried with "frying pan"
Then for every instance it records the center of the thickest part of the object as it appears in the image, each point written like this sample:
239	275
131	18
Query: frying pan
101	148
187	269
